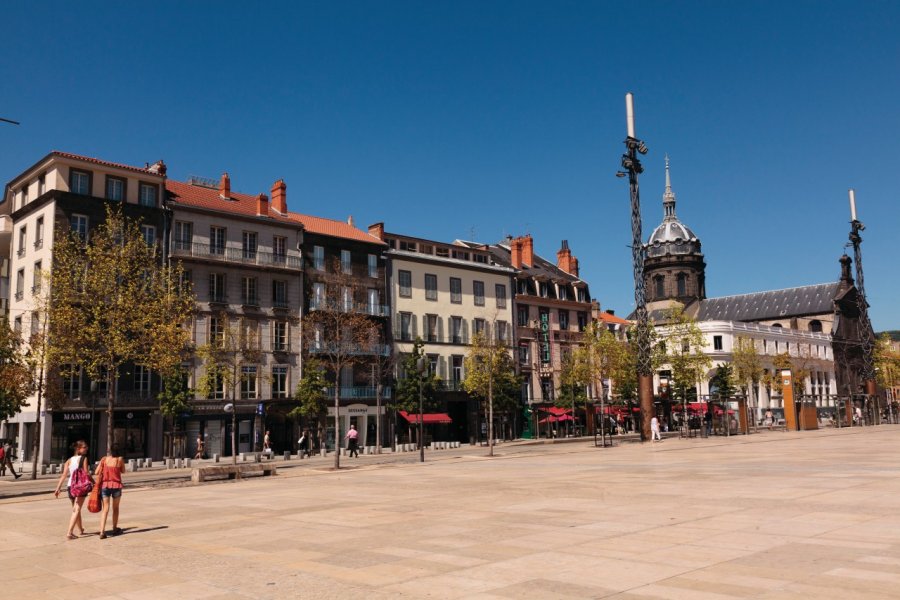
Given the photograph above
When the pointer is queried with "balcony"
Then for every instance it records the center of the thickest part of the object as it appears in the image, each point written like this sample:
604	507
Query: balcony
359	392
350	349
450	385
364	308
97	400
236	256
281	304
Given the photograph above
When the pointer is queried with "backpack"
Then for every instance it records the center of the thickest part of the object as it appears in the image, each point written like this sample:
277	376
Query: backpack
81	484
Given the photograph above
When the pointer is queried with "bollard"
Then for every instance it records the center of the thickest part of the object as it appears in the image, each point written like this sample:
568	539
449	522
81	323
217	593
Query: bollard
187	463
287	455
170	463
242	457
132	465
323	453
215	458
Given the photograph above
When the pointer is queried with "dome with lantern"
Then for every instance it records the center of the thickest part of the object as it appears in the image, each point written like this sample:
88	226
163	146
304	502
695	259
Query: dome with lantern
671	236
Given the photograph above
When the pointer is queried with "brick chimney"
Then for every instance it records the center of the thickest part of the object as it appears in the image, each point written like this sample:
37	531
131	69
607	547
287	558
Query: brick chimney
279	197
158	167
262	205
515	249
225	186
528	251
377	230
565	260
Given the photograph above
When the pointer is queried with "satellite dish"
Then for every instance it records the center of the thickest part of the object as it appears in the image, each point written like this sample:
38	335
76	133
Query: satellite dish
229	407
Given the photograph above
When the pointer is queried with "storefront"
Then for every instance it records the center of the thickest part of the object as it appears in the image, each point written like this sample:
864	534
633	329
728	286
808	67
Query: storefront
70	427
213	425
365	419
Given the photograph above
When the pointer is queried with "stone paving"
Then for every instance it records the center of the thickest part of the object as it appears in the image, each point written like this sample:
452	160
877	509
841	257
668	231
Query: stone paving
773	515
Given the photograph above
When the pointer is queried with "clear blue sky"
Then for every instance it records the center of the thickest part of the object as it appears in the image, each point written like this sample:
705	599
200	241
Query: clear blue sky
444	118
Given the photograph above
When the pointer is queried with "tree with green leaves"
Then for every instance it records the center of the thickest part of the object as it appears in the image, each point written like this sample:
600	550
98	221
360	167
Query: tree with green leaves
174	402
113	302
574	376
682	346
312	401
406	392
748	369
15	377
490	376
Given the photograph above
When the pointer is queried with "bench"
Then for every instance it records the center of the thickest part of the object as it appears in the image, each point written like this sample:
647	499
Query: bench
220	471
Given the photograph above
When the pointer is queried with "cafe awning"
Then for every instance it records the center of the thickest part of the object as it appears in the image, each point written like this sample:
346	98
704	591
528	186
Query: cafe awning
427	418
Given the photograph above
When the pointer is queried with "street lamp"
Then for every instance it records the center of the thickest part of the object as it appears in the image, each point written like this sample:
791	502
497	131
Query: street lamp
420	369
230	408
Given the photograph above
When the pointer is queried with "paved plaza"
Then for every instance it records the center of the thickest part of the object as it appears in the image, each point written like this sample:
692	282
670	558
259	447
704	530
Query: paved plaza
772	515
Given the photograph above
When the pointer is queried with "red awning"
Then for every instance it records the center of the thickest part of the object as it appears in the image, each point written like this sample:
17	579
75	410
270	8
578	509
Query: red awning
427	418
557	411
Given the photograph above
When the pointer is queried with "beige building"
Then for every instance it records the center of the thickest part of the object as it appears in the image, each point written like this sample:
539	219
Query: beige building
445	293
68	191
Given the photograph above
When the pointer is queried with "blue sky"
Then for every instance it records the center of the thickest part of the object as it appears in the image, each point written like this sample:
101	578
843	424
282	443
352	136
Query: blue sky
447	118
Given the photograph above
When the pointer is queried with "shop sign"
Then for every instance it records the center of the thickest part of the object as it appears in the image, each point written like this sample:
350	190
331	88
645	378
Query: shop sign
79	416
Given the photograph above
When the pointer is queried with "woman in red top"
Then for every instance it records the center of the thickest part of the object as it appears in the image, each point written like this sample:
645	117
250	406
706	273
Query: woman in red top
110	469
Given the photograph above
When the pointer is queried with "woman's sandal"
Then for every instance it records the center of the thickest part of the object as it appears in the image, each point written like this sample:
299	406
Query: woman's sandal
103	536
71	536
117	531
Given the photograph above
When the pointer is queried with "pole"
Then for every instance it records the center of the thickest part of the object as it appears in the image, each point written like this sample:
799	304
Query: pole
420	367
633	168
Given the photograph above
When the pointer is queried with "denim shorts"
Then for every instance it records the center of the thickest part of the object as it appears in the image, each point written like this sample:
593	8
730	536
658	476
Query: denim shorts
111	492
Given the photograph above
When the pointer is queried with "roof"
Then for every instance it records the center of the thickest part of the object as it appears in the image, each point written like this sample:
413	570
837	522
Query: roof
608	318
540	268
776	304
244	204
105	163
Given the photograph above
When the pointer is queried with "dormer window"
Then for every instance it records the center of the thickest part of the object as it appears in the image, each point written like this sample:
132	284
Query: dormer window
115	189
147	196
79	182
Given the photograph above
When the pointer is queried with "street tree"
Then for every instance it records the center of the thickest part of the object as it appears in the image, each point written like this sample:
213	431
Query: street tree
748	369
15	376
174	402
682	347
312	401
411	382
490	376
887	367
604	354
574	376
339	333
114	302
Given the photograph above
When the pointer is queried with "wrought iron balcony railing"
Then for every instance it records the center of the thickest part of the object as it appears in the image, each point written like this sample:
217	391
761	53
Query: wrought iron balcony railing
373	310
350	348
358	392
290	260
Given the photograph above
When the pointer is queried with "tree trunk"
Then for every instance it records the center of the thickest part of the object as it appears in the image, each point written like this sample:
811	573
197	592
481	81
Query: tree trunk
491	409
111	385
378	418
337	421
36	444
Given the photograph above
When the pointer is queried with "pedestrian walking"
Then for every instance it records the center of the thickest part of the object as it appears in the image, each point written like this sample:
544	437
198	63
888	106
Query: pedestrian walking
654	429
110	472
304	444
77	475
267	444
6	460
708	418
199	454
770	418
353	441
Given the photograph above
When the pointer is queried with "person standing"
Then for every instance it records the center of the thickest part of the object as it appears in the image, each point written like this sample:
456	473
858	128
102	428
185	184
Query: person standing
78	461
353	441
110	471
305	443
654	429
267	444
708	418
199	454
7	459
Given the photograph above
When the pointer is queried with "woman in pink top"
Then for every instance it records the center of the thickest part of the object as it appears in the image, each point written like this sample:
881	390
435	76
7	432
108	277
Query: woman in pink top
110	469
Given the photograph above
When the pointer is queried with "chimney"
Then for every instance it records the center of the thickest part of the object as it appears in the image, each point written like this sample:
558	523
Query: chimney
574	264
515	248
279	197
350	221
158	167
610	311
528	251
377	230
225	186
262	205
564	257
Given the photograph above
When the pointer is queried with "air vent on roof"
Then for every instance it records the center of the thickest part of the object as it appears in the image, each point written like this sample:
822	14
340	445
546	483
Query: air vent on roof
206	182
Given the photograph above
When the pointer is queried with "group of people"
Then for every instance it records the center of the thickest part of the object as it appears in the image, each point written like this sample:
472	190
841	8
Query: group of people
109	472
7	450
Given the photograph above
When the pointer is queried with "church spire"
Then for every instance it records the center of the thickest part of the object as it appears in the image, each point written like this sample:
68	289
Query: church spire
668	196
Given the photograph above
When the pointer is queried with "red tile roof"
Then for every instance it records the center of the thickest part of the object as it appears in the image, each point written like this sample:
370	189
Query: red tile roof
104	163
608	318
244	204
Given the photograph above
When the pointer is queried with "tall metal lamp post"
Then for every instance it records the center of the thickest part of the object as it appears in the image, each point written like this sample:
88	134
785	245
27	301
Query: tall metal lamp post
420	369
231	408
633	168
865	326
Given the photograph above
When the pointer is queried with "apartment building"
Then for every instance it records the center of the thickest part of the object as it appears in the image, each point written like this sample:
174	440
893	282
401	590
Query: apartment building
444	294
241	254
552	308
67	191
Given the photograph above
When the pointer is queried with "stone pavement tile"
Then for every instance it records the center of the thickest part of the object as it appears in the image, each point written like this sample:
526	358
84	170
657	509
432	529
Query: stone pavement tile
187	590
667	592
745	541
720	584
439	557
352	558
369	577
550	589
103	572
893	561
808	591
135	583
443	586
728	575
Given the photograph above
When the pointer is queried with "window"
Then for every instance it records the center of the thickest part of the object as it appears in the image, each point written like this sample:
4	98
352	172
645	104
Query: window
405	284
24	195
681	281
279	381
543	289
80	182
318	296
442	252
115	188
456	290
502	332
17	325
373	265
456	371
217	385
659	283
717	342
479	326
346	262
142	380
500	292
426	249
42	184
431	328
279	248
22	238
185	279
582	321
279	293
433	360
319	258
456	330
459	254
217	240
147	195
431	292
405	326
36	277
563	292
249	295
280	341
347	299
523	353
582	294
39	233
20	284
374	298
522	316
248	383
217	287
149	233
478	292
71	377
184	235
815	326
249	245
35	323
480	258
407	246
563	320
216	332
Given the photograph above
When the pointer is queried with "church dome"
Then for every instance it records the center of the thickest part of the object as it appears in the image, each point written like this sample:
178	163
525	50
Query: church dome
671	236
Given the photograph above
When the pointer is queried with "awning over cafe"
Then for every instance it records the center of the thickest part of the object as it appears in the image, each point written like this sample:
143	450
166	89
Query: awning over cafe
427	418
